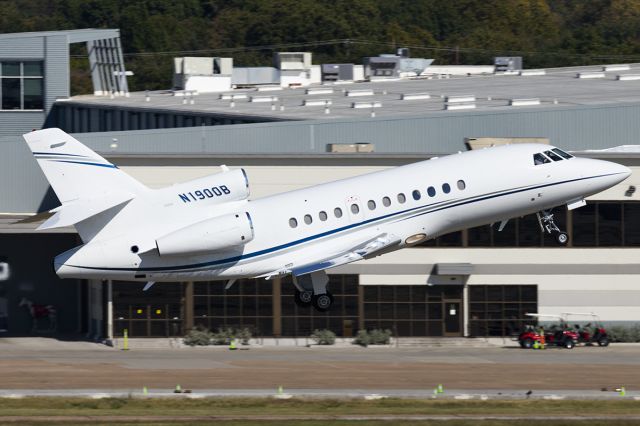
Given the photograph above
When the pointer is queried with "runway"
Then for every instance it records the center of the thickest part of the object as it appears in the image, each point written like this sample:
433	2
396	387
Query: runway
42	367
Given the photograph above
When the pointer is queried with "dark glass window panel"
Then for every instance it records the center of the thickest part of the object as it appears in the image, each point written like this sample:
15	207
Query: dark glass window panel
265	327
529	234
560	217
174	310
386	293
584	226
249	306
216	306
32	69
434	294
371	293
11	69
477	311
216	287
371	311
506	237
609	224
201	322
304	326
232	304
403	311
200	306
234	290
451	291
528	308
419	311
419	328
139	329
217	323
265	287
33	93
479	236
11	93
403	328
419	293
403	293
201	288
494	293
477	293
631	224
351	305
288	305
511	293
335	284
434	328
453	239
158	329
386	311
248	287
494	328
350	284
529	293
265	306
121	311
434	311
477	328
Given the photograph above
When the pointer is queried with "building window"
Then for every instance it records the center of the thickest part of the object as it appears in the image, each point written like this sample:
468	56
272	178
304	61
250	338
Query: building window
499	310
22	85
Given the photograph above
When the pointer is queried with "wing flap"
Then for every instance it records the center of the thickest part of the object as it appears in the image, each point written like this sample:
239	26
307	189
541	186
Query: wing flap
364	250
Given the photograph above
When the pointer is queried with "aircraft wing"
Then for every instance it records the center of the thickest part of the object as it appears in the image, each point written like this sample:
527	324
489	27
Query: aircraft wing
364	250
76	211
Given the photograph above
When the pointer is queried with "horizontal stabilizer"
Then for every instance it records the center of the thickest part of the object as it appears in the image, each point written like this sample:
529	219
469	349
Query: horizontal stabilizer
76	211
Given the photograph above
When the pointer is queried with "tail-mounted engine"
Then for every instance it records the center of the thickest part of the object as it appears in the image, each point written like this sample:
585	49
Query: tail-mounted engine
230	185
218	233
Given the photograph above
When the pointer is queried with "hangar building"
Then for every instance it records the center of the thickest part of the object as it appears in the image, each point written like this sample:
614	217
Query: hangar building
477	282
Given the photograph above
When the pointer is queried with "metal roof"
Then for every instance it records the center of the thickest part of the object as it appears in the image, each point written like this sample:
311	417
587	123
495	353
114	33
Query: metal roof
558	88
74	36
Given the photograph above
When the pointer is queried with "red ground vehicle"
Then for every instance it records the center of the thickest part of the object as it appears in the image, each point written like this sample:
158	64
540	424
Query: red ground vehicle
557	335
590	333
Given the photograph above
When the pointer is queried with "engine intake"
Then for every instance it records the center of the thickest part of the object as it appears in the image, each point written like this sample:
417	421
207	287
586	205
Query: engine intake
218	233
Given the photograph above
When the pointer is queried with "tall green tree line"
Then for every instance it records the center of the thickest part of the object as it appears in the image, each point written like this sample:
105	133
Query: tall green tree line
545	32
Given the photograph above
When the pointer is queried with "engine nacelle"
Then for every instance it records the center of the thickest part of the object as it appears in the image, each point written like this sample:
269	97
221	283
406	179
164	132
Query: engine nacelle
230	230
231	185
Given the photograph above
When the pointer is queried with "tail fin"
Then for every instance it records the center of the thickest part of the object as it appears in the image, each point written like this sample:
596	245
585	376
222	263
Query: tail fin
74	171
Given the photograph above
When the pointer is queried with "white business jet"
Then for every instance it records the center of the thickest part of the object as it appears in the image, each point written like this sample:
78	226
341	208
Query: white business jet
208	229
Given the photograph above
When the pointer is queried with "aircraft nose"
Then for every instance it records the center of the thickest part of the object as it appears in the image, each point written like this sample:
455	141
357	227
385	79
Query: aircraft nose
618	170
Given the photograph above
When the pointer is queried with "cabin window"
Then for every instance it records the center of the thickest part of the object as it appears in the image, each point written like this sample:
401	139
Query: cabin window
355	209
401	198
323	216
308	219
446	188
562	154
540	159
386	201
461	185
293	222
371	204
553	156
431	191
337	212
416	194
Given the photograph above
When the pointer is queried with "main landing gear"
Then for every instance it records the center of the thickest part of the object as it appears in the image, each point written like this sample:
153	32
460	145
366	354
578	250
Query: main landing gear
311	290
548	225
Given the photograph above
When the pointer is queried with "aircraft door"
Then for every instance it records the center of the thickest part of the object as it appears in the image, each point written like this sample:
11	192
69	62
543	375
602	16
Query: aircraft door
355	209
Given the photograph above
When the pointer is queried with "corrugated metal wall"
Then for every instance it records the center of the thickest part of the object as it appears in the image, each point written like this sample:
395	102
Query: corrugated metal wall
56	70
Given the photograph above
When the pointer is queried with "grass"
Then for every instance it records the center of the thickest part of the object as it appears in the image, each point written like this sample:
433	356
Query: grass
57	406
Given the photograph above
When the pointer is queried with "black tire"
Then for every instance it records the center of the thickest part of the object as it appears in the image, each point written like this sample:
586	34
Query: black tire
603	341
303	298
562	238
569	344
322	302
526	344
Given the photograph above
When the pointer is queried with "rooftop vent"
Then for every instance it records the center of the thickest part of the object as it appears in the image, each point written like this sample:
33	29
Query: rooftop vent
351	147
316	102
366	92
319	91
366	104
414	96
628	77
526	73
263	99
618	67
590	75
524	102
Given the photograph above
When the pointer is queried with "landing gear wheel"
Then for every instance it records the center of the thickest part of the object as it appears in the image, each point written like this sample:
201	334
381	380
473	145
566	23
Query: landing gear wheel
322	302
303	298
562	239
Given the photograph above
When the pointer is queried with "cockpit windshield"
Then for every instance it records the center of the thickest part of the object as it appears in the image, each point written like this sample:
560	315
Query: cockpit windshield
554	154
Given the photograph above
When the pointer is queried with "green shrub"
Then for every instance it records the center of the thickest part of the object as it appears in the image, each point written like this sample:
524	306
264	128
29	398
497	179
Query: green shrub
624	334
362	338
198	336
380	337
324	337
224	335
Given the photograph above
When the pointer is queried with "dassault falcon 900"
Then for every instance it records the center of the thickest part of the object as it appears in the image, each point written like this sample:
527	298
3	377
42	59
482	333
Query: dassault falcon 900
208	229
